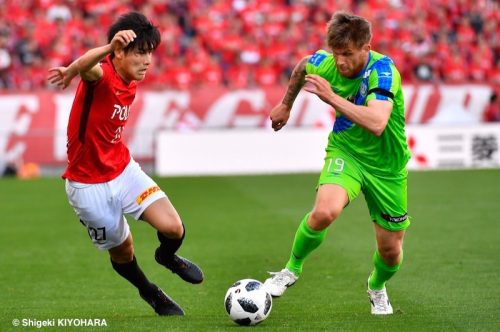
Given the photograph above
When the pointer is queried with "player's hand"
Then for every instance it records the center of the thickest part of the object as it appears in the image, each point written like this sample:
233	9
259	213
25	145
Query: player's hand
122	38
60	77
319	86
279	116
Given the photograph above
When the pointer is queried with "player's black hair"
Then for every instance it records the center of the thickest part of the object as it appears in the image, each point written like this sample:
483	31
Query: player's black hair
148	36
345	28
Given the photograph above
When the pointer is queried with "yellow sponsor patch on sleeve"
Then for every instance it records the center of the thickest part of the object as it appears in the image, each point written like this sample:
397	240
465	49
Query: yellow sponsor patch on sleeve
146	193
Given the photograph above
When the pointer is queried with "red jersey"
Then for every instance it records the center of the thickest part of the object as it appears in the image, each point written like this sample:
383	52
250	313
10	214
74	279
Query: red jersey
96	152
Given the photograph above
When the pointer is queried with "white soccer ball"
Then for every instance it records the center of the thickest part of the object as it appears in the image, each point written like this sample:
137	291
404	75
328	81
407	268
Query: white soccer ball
247	302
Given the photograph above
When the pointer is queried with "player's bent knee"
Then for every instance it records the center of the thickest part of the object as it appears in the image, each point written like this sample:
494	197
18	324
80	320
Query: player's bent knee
173	230
124	253
322	217
390	255
122	257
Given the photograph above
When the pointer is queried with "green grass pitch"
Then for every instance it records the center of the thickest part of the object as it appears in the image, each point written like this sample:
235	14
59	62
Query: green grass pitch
241	227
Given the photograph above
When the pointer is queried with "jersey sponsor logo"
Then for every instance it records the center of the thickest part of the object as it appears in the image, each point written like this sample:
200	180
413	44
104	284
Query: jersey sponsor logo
317	59
386	74
367	73
121	111
396	219
146	193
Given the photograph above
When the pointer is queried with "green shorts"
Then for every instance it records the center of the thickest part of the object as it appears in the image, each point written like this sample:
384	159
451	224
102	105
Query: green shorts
385	195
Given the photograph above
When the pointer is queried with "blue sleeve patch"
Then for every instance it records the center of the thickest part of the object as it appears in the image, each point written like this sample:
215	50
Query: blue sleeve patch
316	59
384	77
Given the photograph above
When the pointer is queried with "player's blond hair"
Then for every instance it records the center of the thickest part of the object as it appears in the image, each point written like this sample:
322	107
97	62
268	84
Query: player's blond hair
345	28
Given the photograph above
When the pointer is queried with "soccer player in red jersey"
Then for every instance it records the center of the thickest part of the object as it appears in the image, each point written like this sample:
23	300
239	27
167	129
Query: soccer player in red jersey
103	182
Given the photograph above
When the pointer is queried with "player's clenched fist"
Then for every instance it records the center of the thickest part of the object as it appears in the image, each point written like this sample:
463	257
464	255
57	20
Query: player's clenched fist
279	116
122	39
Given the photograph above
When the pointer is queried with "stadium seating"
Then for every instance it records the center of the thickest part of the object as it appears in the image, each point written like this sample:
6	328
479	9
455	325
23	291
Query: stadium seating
255	42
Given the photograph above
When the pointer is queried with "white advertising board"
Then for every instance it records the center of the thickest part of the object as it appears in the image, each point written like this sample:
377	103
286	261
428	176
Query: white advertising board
237	151
297	150
454	147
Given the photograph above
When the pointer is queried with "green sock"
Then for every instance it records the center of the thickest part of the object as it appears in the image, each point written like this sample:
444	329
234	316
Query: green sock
382	272
306	240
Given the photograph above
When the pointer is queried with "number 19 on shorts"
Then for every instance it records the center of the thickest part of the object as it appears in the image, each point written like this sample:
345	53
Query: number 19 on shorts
335	165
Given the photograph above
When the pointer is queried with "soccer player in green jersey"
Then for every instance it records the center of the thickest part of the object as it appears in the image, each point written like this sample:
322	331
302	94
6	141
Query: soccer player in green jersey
366	150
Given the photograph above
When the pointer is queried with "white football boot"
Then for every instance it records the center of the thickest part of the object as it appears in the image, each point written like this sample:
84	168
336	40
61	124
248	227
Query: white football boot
279	282
379	302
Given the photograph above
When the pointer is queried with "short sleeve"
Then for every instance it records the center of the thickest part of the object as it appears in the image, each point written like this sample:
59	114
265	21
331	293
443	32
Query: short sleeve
316	62
383	82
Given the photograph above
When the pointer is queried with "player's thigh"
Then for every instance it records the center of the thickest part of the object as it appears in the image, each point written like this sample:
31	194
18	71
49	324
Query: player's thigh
340	169
136	190
387	200
99	212
143	199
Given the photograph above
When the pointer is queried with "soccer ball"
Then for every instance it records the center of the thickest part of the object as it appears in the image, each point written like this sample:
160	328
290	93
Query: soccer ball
247	302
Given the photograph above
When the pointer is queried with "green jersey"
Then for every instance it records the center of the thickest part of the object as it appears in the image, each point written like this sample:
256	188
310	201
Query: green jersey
380	80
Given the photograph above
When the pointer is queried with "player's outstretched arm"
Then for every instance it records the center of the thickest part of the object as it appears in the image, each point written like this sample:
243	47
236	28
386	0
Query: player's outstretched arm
87	65
281	112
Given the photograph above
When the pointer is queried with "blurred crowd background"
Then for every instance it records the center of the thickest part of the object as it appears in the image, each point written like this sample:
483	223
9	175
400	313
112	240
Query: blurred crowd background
238	43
